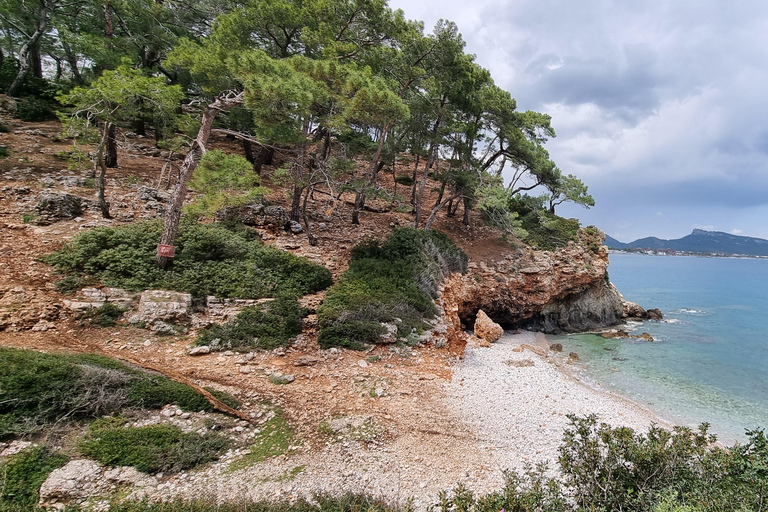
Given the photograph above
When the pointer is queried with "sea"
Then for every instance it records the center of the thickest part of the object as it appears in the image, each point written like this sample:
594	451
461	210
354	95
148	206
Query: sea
709	360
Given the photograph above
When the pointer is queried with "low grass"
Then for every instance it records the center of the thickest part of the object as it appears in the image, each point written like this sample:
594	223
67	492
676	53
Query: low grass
274	439
22	474
39	391
394	281
222	259
150	449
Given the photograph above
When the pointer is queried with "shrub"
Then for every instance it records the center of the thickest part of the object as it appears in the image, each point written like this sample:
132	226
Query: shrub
4	152
395	281
39	390
150	449
106	315
404	179
225	260
268	326
34	109
23	474
548	231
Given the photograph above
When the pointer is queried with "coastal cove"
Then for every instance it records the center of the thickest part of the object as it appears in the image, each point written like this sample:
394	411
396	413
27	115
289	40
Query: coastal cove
708	363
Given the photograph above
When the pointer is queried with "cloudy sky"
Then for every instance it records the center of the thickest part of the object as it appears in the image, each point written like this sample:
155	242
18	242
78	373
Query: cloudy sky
660	106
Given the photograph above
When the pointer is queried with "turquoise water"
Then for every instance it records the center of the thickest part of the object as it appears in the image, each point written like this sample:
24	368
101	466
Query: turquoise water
710	360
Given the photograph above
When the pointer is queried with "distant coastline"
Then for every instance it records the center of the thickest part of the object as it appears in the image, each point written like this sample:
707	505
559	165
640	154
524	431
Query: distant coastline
672	252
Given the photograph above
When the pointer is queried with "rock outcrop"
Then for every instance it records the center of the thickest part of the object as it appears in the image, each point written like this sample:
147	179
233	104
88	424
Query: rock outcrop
558	291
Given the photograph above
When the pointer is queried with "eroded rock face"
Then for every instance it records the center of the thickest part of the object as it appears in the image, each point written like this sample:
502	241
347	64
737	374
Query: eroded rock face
164	306
558	291
23	308
486	329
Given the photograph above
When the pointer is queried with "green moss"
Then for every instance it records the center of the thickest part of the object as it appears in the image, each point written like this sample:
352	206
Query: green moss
149	449
221	259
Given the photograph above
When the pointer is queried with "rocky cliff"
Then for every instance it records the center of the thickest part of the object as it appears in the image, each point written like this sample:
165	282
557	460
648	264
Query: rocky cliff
554	292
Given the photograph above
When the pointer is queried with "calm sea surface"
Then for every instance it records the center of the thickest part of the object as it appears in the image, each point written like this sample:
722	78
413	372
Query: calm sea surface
710	360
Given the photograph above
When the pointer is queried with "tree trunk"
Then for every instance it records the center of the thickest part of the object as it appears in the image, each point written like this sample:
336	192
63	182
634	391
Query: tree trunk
72	61
110	159
437	208
248	152
373	174
101	164
296	202
433	147
35	61
467	209
415	174
179	191
28	46
310	236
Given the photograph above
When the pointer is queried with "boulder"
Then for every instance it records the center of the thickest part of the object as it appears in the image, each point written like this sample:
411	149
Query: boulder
573	356
200	351
73	483
55	206
556	347
148	194
165	306
645	336
486	329
654	314
633	310
256	214
306	361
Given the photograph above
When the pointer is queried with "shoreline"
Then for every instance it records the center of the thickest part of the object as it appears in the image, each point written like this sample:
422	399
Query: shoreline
515	397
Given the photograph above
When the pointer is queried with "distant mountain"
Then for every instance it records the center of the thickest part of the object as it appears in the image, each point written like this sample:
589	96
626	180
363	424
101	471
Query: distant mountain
699	241
613	243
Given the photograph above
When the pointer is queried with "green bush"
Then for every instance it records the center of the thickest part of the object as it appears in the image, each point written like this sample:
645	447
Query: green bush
548	231
39	390
395	281
33	109
267	326
404	179
23	474
221	259
4	152
150	449
106	315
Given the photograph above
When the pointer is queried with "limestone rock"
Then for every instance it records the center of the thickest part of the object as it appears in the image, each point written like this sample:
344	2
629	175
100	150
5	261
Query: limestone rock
573	356
645	336
487	329
165	306
201	350
224	309
55	206
632	310
73	483
148	194
556	347
307	361
654	314
614	334
23	308
256	214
